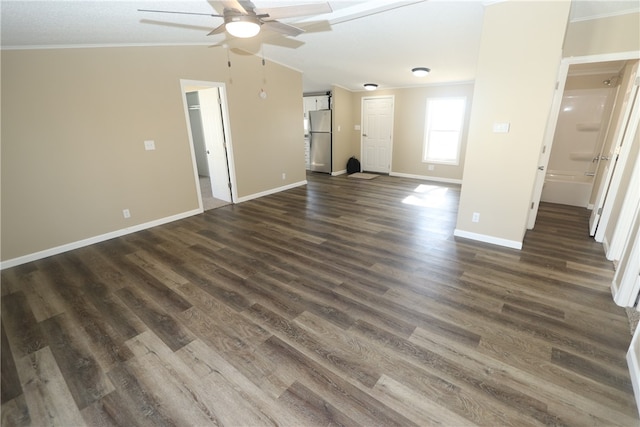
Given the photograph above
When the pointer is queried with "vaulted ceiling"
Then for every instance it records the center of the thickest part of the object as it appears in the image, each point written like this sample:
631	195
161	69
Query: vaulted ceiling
375	41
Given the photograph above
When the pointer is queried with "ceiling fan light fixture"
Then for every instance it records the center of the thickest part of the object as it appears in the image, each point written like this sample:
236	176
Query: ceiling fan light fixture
370	86
242	26
420	71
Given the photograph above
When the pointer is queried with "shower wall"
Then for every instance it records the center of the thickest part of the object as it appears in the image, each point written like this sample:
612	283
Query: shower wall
580	131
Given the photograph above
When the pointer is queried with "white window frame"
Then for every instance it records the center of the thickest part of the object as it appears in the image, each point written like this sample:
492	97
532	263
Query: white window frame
430	106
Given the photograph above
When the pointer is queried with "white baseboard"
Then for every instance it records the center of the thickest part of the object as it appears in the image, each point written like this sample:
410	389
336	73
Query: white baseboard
427	178
336	173
93	240
111	235
488	239
272	191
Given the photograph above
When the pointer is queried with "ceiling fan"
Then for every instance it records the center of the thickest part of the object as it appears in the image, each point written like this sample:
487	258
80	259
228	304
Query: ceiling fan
242	19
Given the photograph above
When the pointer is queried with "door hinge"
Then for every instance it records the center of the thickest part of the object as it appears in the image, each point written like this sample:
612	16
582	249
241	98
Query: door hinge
557	85
229	186
532	205
599	211
544	149
637	80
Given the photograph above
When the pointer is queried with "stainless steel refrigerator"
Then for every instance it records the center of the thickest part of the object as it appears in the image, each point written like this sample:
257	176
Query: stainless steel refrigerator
320	140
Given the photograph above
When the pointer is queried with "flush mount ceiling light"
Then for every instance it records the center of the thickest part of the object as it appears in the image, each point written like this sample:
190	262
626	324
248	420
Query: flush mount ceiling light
370	86
242	26
420	71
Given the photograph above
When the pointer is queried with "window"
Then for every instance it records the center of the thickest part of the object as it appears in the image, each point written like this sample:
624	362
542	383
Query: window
443	130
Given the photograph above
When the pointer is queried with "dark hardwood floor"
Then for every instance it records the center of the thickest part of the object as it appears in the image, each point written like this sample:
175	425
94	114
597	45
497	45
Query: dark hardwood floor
344	302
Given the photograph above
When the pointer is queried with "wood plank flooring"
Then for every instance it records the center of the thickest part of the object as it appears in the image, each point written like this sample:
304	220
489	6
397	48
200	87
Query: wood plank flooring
343	302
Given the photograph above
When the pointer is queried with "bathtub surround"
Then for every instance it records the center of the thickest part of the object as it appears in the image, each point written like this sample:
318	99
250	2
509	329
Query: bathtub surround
580	133
567	188
500	168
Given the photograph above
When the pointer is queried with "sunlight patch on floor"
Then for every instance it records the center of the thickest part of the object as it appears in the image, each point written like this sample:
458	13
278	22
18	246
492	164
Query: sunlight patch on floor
427	196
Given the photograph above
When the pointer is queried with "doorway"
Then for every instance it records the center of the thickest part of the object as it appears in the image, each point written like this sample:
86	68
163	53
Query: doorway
377	134
584	65
207	120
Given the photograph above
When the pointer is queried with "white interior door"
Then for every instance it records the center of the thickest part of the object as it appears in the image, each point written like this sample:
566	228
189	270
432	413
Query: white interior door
545	152
629	207
630	95
377	134
628	153
214	137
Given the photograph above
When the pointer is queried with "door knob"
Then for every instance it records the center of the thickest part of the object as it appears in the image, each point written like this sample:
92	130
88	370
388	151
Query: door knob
540	168
364	134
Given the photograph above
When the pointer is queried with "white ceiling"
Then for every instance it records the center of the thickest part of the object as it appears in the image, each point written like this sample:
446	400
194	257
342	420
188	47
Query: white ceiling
376	41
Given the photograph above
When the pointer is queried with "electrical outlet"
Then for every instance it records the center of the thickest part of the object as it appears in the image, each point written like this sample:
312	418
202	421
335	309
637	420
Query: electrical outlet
126	213
475	217
431	167
149	145
284	175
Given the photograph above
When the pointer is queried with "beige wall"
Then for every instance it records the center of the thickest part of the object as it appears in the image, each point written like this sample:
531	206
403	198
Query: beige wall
408	128
602	36
515	79
343	132
74	122
267	133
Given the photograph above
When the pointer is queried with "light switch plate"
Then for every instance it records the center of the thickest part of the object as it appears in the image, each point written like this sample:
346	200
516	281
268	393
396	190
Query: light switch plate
149	145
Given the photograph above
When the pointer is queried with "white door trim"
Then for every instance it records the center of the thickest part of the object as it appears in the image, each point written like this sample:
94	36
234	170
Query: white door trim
393	107
536	191
626	280
193	85
624	118
633	361
625	219
618	172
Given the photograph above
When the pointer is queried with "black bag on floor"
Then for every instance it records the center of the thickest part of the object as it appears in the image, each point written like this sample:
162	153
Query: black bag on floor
353	165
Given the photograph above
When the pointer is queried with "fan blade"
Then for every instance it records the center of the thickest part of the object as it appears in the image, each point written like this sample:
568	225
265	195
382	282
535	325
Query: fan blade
314	26
284	12
279	27
175	25
236	5
247	5
181	13
219	29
